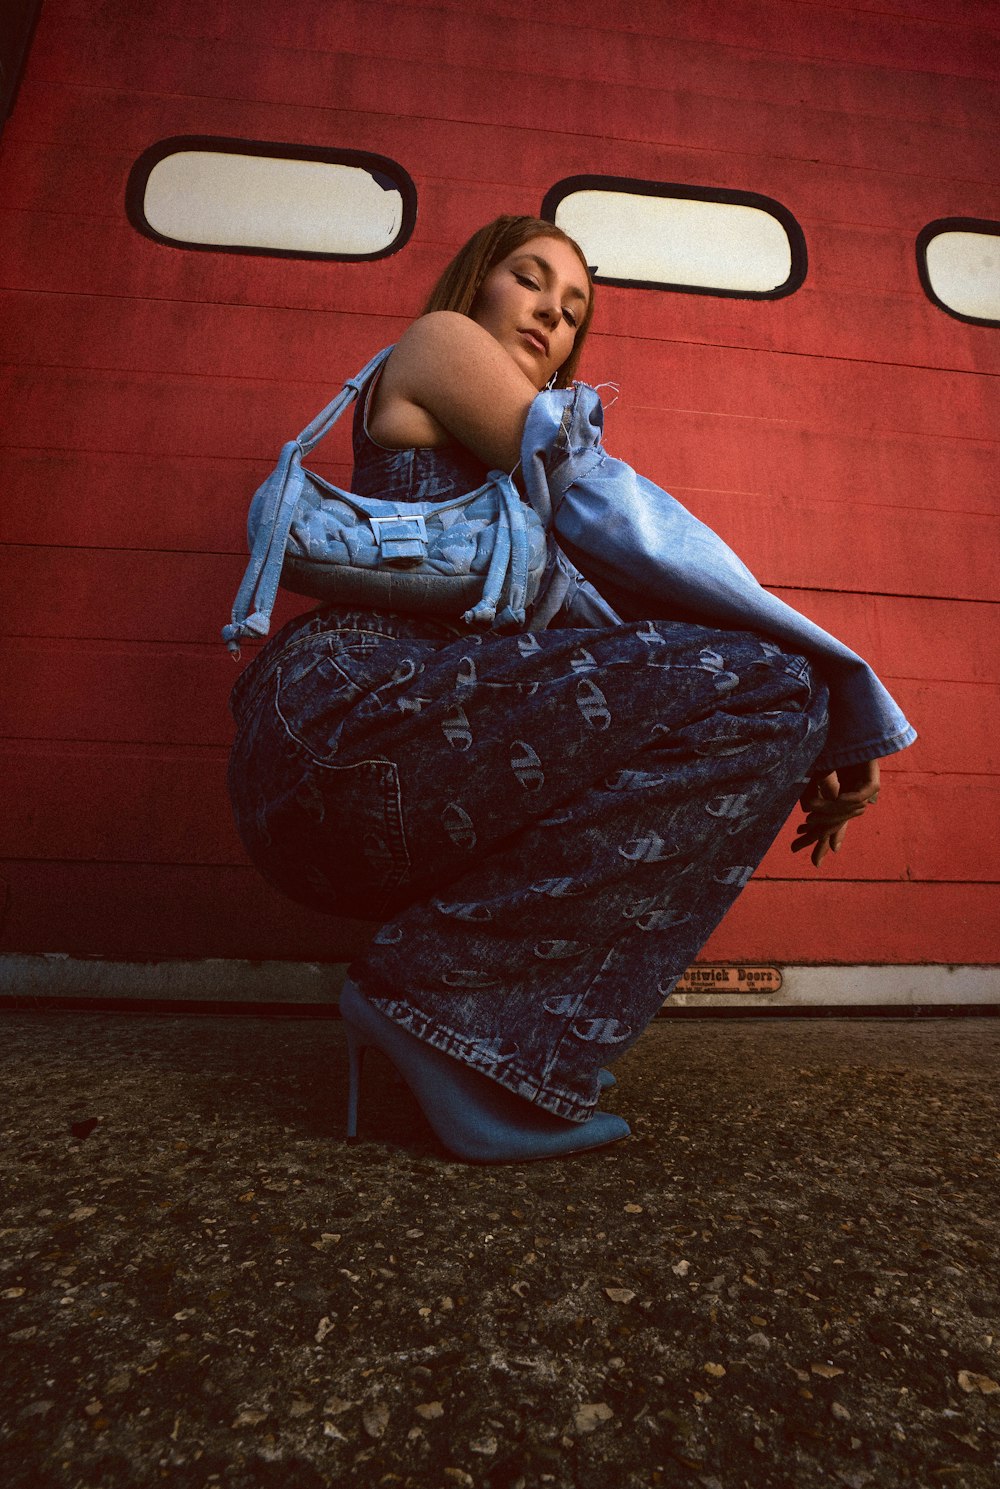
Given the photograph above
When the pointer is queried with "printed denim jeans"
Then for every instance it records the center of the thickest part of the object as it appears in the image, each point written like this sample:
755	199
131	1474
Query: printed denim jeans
550	824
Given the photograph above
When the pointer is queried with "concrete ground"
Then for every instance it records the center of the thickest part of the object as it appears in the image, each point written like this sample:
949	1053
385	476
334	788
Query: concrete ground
788	1275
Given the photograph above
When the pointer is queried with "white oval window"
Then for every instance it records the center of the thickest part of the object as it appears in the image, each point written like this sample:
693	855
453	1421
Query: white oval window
661	236
278	199
959	263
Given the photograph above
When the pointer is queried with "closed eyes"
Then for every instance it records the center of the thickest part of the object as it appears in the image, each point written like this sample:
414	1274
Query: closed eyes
569	316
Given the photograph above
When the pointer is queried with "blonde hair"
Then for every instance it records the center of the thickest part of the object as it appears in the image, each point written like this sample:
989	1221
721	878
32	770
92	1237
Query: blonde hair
462	280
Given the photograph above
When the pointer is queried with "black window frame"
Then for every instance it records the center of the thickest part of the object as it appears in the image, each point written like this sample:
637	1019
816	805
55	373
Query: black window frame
934	230
17	31
686	192
389	174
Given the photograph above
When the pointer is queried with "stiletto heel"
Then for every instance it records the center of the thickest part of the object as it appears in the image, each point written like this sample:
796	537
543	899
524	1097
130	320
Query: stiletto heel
356	1050
474	1117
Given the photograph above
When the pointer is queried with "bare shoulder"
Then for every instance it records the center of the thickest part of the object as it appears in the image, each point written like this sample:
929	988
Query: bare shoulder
440	328
400	416
440	342
449	378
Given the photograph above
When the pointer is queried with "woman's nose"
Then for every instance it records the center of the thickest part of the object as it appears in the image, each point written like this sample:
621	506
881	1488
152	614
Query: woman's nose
548	310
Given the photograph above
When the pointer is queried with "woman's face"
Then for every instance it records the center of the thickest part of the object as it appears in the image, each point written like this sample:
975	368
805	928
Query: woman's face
532	303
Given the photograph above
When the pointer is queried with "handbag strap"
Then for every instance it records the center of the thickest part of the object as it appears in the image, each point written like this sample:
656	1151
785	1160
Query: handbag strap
251	613
508	562
325	420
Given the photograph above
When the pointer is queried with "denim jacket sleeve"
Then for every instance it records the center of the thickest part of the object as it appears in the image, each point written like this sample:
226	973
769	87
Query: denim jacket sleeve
629	535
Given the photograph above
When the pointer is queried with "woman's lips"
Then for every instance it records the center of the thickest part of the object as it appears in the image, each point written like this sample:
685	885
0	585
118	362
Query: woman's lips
536	341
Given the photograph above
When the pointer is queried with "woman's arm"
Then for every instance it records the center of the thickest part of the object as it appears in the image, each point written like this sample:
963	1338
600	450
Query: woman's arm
447	378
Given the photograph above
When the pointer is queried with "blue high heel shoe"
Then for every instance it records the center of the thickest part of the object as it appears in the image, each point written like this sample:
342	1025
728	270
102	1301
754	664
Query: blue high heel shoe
473	1116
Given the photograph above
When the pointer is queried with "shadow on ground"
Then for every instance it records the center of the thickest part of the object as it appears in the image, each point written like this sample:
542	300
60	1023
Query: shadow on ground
788	1276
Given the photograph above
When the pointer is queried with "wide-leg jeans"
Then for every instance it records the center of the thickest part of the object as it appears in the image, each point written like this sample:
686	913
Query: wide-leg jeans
549	824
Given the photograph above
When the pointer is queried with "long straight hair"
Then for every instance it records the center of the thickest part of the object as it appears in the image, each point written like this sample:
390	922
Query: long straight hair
463	278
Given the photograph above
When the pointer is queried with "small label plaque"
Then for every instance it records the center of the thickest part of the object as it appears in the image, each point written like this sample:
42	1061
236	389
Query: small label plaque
724	977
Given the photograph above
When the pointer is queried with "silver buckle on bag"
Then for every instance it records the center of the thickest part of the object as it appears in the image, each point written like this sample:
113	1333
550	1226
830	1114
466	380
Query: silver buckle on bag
404	545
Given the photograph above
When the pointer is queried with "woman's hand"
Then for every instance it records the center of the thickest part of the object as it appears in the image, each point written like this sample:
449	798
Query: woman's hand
829	802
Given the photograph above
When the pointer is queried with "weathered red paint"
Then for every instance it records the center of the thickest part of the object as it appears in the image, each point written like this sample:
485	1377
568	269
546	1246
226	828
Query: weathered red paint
844	439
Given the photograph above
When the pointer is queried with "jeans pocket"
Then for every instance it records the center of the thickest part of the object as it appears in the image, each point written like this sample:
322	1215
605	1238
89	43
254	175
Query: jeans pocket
326	830
335	691
313	696
329	836
359	855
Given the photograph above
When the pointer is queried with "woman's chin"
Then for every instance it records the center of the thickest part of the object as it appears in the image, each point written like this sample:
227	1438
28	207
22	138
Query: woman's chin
528	363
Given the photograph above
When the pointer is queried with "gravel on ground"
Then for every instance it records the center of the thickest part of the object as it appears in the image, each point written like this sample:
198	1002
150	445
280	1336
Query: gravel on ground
787	1276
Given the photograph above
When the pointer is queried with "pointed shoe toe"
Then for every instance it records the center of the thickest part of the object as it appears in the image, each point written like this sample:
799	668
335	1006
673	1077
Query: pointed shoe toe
475	1118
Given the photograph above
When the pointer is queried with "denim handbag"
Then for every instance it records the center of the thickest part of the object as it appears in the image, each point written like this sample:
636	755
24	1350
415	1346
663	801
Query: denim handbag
481	556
